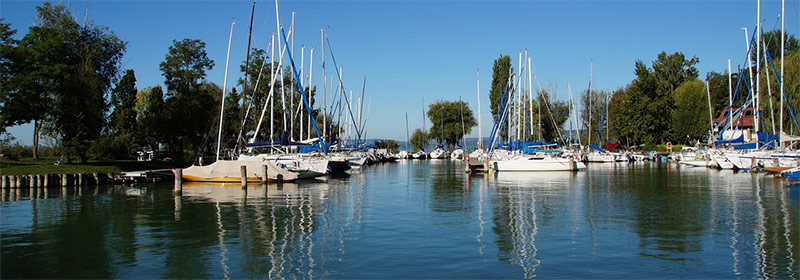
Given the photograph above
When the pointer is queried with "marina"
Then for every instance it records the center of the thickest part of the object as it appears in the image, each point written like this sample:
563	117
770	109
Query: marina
659	167
415	219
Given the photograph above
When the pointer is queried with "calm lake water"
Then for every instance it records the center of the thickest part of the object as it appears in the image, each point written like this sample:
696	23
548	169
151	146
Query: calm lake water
415	219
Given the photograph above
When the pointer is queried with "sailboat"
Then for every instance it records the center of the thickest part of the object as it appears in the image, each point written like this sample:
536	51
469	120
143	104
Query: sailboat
510	161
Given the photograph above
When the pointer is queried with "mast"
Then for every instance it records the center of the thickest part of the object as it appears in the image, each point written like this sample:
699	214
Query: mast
480	130
310	93
291	91
756	94
783	42
408	139
246	73
571	110
752	90
271	90
463	130
302	75
589	100
224	87
710	117
530	94
519	98
730	100
324	92
769	90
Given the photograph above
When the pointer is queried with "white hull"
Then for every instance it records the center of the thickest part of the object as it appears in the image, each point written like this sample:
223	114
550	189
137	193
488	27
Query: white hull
439	154
310	167
527	163
230	171
598	157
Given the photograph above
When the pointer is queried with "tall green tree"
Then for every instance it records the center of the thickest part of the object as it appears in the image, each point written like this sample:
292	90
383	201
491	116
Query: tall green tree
447	117
62	72
501	70
690	121
123	102
150	108
191	102
418	140
655	88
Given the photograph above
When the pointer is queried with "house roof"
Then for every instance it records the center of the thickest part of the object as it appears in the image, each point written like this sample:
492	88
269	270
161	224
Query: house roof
744	122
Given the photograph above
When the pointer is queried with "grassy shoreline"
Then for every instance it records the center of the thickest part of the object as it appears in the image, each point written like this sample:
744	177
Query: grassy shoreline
45	165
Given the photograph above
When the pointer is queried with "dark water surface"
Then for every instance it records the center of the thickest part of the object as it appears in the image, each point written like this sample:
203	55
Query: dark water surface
415	219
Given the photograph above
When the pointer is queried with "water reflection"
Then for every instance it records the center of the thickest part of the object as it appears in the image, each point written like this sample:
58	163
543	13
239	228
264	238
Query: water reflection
414	219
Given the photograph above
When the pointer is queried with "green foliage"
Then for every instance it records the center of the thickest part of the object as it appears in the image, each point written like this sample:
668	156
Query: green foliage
418	140
791	87
720	91
185	66
191	103
62	73
690	119
151	122
553	116
644	110
591	112
501	70
388	144
447	117
773	41
123	101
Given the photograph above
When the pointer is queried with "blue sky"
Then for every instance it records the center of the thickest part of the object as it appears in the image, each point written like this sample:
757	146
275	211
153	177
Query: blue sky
415	50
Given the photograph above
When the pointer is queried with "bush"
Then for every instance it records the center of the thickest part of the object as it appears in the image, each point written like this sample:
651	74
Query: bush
108	147
15	151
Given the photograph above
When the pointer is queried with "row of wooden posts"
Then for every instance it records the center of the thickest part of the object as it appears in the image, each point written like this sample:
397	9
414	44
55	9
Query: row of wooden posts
53	180
179	180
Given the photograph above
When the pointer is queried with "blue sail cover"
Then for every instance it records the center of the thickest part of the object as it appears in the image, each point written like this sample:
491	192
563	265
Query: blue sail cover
739	139
763	137
597	148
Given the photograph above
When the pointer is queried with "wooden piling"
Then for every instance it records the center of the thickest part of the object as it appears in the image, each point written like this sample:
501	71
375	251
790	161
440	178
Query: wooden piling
178	180
13	181
34	180
264	173
4	182
64	180
244	175
46	180
753	164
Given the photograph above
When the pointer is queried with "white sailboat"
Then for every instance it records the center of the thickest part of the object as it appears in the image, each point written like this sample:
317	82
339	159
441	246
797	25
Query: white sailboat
537	163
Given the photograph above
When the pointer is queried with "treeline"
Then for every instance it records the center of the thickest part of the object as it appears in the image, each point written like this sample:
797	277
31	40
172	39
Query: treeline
667	101
66	79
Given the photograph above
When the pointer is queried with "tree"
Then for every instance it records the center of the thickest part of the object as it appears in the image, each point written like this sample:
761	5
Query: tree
185	66
553	116
150	117
389	145
192	104
690	118
654	89
591	112
773	41
501	70
119	140
62	72
791	87
123	101
447	117
418	140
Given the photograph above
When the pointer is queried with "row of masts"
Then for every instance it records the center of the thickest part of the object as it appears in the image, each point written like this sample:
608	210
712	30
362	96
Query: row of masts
356	122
